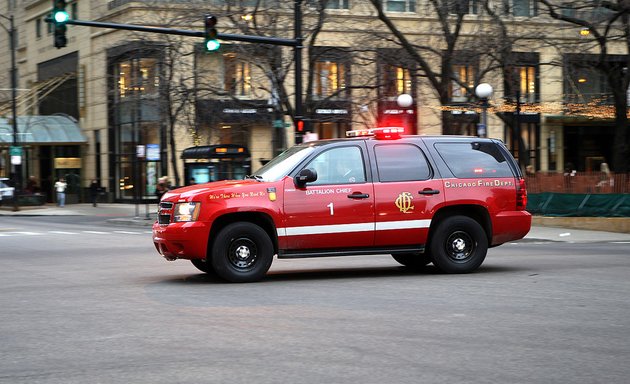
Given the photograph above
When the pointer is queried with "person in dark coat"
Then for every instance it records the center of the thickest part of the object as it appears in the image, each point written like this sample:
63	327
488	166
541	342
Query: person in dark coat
95	189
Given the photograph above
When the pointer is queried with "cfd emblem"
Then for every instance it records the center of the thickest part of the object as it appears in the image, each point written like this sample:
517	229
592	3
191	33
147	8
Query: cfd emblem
403	202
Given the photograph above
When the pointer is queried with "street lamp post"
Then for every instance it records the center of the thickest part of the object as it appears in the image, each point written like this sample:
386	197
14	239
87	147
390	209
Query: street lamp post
18	151
483	92
405	101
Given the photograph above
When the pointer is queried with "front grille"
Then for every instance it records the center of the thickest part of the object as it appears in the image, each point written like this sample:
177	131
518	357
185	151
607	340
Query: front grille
166	205
164	219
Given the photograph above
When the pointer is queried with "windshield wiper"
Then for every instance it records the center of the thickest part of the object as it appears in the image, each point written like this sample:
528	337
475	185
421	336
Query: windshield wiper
255	177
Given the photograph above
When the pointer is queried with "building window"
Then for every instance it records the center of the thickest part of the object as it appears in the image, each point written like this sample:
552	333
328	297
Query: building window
463	7
330	79
396	81
521	80
330	4
463	79
38	28
526	8
238	76
585	84
400	6
593	12
138	76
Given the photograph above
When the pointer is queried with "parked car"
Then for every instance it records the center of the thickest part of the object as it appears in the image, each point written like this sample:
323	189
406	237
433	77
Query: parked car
6	192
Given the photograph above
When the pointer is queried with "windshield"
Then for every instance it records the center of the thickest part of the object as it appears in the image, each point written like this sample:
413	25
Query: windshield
284	163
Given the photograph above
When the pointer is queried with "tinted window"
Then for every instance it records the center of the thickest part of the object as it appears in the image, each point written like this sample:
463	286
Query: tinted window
401	162
470	160
341	165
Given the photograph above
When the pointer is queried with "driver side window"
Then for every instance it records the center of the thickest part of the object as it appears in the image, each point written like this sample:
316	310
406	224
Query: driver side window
342	165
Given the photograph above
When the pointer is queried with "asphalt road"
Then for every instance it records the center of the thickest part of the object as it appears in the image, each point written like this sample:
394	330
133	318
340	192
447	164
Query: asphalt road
86	303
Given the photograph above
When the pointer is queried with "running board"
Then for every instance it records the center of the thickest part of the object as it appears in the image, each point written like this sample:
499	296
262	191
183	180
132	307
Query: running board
283	254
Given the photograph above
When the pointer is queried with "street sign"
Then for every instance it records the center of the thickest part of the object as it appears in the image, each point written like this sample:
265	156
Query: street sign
153	152
140	151
16	155
481	130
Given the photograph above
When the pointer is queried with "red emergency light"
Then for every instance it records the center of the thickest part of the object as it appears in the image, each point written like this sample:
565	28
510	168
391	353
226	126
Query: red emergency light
382	133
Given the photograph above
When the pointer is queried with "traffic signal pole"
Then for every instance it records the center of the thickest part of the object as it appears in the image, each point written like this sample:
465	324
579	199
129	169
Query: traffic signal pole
296	43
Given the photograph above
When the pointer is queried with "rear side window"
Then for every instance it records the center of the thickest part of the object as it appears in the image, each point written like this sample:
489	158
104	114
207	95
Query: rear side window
477	159
401	162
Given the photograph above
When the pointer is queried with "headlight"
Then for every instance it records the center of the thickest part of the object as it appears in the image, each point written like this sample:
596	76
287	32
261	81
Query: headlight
186	212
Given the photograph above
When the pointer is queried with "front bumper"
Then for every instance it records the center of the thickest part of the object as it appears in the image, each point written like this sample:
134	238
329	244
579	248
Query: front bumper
181	240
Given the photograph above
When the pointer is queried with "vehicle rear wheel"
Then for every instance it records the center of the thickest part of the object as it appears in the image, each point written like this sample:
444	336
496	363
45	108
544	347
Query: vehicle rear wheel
242	252
459	245
203	265
413	260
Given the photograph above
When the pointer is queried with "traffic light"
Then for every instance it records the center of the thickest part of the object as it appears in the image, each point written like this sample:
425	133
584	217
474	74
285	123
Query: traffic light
60	16
212	44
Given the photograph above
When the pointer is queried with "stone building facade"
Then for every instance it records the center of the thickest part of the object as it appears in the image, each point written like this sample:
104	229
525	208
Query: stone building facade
138	100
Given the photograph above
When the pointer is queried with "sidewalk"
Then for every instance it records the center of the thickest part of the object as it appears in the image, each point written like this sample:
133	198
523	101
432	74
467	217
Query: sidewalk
123	214
543	228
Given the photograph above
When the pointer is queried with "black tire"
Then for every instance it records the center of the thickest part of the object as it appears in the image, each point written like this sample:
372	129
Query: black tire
413	260
458	245
242	252
203	265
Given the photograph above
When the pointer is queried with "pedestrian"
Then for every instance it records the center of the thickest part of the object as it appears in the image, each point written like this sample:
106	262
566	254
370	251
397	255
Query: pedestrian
31	186
60	188
94	191
161	188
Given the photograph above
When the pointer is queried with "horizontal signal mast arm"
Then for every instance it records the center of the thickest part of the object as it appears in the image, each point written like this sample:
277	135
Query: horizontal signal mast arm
183	32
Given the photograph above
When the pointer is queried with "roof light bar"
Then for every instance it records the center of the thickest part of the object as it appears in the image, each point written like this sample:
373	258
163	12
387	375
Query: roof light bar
379	133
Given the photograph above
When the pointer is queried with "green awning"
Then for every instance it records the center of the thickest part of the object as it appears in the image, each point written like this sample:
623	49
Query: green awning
54	129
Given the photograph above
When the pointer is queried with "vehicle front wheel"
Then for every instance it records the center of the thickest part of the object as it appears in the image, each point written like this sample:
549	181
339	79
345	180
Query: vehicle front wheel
242	252
459	245
413	260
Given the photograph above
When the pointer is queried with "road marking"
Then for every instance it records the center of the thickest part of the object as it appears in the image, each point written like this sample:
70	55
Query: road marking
96	232
63	232
128	232
620	242
29	233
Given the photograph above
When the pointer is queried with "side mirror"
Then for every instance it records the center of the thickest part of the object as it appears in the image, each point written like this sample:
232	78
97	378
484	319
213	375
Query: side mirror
306	175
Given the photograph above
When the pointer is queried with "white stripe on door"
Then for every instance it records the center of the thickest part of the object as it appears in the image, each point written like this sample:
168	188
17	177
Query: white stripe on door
356	227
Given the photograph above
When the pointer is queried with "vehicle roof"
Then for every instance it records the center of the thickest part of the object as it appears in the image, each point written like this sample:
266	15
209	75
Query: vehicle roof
402	138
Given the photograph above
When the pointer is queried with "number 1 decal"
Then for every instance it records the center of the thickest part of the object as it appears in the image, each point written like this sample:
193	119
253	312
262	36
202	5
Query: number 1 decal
332	208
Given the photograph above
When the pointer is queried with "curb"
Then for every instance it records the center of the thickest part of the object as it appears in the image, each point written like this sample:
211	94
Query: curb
606	224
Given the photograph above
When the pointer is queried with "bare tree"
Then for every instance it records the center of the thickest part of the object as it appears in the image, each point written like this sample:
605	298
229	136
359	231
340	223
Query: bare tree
609	25
456	43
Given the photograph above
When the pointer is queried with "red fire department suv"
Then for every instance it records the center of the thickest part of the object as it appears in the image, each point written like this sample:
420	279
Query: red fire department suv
441	200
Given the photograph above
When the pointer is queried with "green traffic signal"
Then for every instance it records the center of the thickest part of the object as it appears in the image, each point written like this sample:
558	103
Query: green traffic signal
210	33
212	45
61	17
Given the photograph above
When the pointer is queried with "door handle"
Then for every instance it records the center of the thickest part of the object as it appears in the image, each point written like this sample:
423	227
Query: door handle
429	192
358	196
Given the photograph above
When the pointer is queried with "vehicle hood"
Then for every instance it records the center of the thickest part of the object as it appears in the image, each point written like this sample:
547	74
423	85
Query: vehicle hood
226	186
